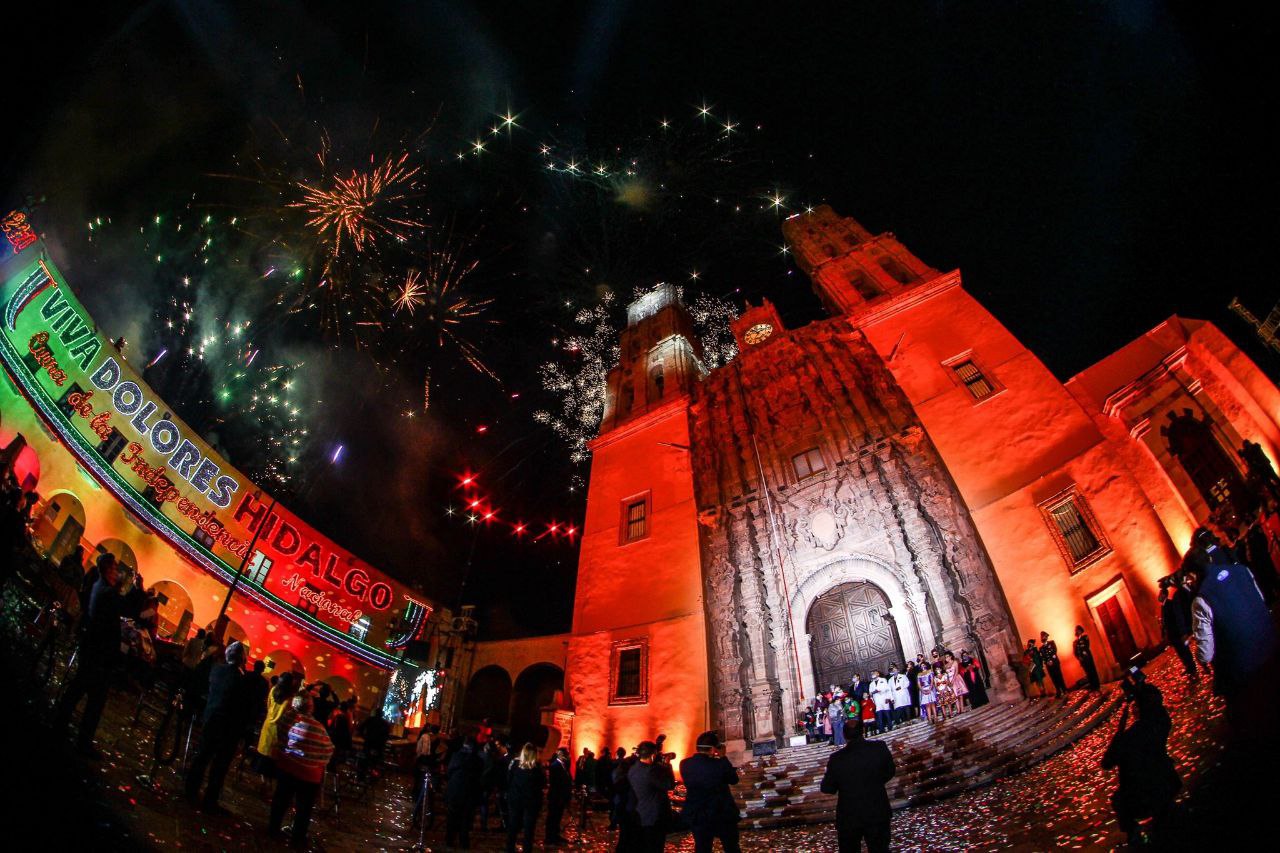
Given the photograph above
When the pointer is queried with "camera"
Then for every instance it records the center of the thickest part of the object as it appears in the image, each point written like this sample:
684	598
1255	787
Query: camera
1133	680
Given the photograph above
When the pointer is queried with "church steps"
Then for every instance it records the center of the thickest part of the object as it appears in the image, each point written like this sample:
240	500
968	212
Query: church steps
933	762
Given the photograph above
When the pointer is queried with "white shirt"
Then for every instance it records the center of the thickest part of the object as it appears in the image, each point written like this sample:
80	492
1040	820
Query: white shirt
881	694
901	690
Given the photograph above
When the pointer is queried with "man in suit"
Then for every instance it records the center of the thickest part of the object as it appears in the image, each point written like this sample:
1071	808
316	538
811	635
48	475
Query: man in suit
709	807
857	775
559	789
227	715
650	778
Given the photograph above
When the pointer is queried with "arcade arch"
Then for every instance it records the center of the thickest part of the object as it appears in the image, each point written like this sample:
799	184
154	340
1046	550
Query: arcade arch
175	610
534	689
488	695
118	549
61	525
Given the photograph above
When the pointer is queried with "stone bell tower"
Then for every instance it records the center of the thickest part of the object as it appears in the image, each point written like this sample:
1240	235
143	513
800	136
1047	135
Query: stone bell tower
638	621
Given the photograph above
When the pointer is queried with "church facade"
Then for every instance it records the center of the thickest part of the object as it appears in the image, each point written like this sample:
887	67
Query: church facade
900	476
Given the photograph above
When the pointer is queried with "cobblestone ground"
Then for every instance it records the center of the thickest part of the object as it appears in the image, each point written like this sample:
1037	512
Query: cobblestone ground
1060	803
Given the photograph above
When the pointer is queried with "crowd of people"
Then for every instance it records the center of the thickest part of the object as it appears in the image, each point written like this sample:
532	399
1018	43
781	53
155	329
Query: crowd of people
927	690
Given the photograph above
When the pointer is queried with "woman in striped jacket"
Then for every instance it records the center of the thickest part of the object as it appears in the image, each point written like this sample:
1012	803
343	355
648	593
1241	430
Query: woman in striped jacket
300	767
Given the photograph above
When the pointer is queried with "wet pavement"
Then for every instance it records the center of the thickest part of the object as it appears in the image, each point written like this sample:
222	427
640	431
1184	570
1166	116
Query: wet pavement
1061	803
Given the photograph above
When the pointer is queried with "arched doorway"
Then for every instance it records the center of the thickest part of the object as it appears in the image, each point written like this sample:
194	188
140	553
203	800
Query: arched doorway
235	632
61	525
488	695
120	550
850	631
175	611
281	661
535	688
1208	465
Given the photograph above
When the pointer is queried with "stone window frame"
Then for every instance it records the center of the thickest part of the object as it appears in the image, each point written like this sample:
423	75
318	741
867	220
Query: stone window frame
624	525
950	365
615	661
1074	496
793	454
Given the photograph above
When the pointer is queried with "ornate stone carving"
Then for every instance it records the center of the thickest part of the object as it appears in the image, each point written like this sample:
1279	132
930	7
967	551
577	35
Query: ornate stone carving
821	523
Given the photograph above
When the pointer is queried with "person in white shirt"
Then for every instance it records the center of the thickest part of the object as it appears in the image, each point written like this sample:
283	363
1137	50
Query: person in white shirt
901	687
882	696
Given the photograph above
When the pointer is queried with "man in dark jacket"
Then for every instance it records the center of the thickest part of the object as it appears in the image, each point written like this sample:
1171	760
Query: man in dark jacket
559	790
99	656
857	775
462	794
228	711
1149	781
650	780
709	807
1175	627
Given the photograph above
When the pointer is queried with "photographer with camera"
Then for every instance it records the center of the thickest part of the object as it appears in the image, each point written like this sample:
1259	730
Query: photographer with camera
709	808
1148	781
650	778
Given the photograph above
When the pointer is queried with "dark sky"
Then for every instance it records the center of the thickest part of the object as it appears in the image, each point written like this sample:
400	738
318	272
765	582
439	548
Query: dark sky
1091	167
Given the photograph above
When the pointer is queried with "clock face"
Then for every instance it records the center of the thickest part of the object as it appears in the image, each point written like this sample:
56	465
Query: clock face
758	333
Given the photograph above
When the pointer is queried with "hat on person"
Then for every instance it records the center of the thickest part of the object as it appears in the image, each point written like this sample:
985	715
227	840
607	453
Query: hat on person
708	740
236	652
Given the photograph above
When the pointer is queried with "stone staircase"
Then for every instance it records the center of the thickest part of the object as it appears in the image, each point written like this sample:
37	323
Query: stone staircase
933	761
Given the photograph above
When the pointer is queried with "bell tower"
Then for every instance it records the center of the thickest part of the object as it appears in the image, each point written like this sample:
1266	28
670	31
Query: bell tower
852	269
637	656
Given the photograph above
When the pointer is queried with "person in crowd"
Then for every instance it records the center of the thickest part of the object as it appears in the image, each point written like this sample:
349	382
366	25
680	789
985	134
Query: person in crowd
581	775
946	703
604	774
325	702
858	688
463	784
90	580
227	715
278	703
1052	664
835	714
857	776
1084	656
620	815
99	657
913	687
1175	629
493	782
303	757
71	567
710	811
1148	780
869	714
971	671
1234	632
559	790
650	778
424	765
882	696
376	731
484	732
1035	668
257	687
1257	554
928	695
899	684
959	690
824	721
525	782
341	726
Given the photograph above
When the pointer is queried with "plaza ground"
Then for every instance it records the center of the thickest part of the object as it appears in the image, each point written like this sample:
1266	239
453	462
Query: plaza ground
1061	803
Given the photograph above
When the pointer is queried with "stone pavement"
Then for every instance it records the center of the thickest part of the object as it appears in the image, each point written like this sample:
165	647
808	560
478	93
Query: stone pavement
1059	803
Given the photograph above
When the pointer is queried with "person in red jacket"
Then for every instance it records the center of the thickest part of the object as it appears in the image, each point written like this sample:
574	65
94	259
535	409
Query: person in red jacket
303	757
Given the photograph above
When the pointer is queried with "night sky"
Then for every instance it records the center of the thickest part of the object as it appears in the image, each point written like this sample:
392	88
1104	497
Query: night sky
1091	167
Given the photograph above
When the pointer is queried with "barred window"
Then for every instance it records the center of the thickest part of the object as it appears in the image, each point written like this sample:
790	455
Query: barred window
1074	528
808	462
359	629
896	271
110	448
204	538
637	520
629	672
978	384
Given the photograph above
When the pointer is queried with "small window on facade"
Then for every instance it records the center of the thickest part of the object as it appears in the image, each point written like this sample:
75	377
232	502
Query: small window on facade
637	521
110	448
896	271
973	378
659	381
1076	531
808	463
867	288
258	568
63	405
360	628
204	538
629	676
